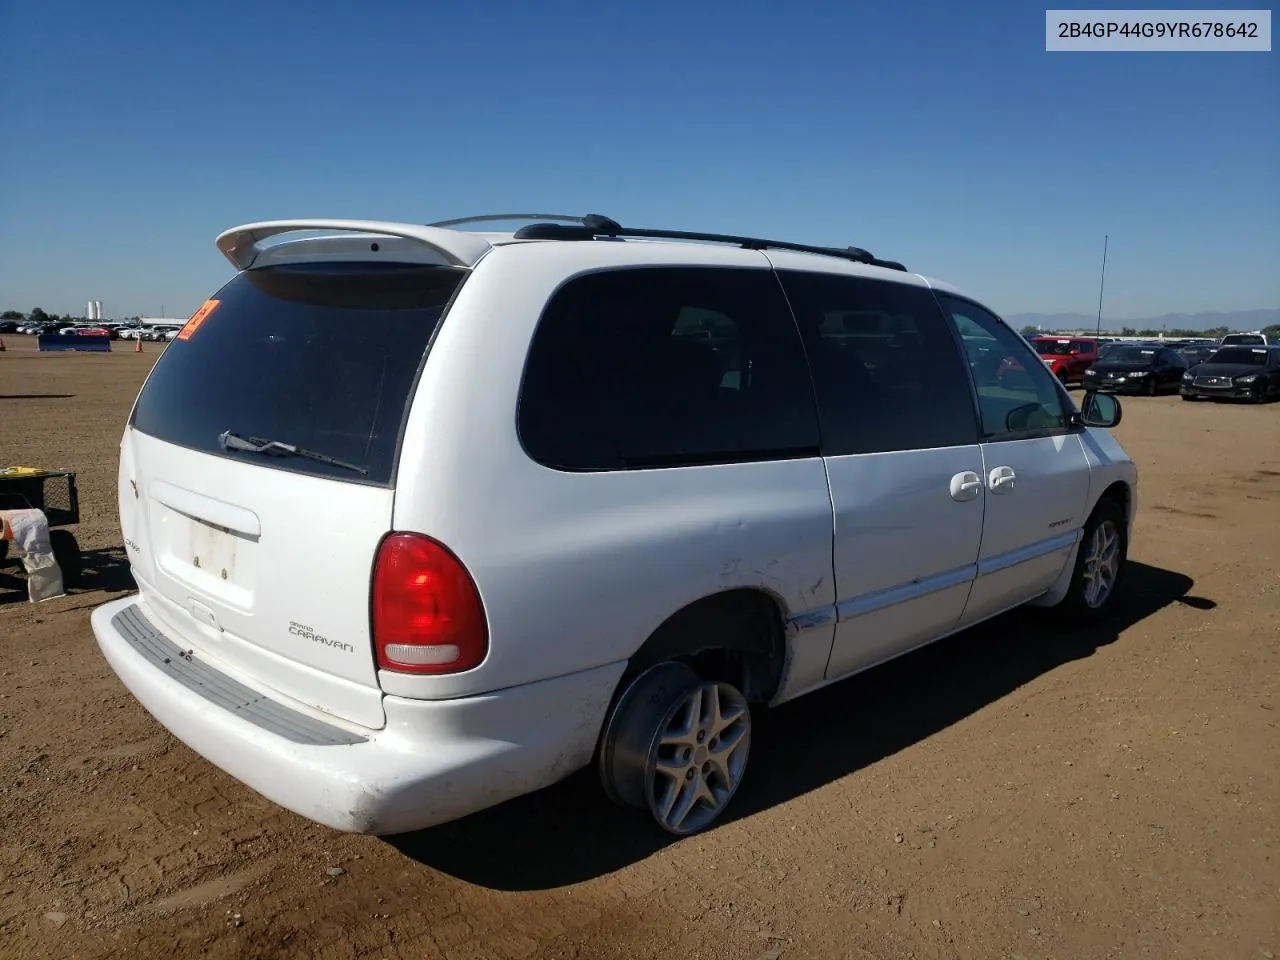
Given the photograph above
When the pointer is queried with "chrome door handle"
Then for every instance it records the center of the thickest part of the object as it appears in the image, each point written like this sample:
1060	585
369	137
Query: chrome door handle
1001	479
965	486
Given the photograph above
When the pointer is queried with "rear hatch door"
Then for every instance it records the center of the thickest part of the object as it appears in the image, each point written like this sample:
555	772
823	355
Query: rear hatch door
257	469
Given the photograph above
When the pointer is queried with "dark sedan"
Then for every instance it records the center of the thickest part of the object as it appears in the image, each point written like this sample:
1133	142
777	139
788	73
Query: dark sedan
1235	373
1137	368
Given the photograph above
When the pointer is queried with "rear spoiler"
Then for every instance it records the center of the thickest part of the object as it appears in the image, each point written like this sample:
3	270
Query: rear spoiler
243	245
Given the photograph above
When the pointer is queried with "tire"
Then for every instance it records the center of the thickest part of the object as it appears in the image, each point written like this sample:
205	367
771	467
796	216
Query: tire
1108	517
1188	398
676	746
67	552
1152	387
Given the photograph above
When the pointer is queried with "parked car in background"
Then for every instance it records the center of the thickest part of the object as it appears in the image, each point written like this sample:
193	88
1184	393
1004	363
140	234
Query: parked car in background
1066	357
9	326
1197	352
1255	339
1235	373
1137	368
82	327
423	519
161	331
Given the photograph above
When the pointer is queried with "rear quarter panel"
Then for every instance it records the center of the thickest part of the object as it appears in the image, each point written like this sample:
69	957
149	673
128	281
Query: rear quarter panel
577	569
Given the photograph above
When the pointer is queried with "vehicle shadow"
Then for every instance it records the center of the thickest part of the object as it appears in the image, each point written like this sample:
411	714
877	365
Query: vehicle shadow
13	584
36	396
106	570
569	833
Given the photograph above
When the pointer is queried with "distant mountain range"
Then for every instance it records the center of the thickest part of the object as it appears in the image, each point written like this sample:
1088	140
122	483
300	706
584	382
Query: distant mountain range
1232	320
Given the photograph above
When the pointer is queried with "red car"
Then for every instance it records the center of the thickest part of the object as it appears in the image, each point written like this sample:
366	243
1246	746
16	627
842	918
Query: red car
1067	357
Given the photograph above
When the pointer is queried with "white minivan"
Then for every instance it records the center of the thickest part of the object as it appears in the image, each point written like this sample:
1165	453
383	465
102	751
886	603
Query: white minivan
423	518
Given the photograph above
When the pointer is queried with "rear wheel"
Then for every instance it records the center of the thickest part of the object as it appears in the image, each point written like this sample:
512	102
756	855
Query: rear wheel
67	552
677	746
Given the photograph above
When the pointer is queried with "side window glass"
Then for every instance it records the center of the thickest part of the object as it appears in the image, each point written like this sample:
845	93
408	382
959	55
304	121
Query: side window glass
1017	396
664	367
887	372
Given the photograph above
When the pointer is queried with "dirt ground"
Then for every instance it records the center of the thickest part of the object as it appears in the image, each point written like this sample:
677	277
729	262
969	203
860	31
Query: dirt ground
1017	791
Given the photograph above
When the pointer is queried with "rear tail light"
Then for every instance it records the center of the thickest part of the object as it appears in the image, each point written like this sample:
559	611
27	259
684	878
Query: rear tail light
427	614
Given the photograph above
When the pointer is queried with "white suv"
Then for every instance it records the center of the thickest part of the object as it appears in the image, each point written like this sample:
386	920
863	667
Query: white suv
424	518
1255	339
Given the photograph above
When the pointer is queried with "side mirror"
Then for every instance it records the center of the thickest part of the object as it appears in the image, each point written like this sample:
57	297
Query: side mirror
1100	410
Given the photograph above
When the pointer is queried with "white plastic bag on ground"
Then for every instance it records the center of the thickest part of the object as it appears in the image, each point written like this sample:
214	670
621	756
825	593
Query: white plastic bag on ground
28	531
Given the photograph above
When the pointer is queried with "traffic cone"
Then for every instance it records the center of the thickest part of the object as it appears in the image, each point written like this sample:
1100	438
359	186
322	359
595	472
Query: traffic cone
1	344
137	344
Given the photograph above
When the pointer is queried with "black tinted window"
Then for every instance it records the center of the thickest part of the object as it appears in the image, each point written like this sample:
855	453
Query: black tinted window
321	356
1132	355
1018	397
664	367
888	373
1249	355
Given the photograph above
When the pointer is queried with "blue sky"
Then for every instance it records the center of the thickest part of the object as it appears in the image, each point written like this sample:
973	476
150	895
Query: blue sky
941	134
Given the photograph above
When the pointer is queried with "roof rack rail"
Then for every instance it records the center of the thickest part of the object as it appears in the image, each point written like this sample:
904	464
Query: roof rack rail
594	225
492	217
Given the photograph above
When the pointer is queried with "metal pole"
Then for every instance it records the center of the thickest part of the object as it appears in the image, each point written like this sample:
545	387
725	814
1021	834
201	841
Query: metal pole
1102	283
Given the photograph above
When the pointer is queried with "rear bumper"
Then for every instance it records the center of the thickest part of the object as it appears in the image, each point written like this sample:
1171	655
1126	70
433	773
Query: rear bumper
435	761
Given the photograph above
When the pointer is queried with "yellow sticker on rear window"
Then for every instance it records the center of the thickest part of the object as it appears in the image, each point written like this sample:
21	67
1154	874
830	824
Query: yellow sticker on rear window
197	318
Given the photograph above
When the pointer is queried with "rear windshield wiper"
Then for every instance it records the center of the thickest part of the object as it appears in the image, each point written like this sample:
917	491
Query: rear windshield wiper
276	448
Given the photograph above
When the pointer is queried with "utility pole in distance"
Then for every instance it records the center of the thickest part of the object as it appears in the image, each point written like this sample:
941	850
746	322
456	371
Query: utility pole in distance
1102	283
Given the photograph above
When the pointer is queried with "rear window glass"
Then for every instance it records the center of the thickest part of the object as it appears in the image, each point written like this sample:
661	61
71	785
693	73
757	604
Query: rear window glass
1053	348
319	356
1132	354
1248	355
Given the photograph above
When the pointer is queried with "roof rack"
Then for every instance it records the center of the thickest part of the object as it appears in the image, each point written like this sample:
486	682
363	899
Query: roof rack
554	226
492	217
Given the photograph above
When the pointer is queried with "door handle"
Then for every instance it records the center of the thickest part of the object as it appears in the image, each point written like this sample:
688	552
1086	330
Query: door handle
965	486
1001	479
